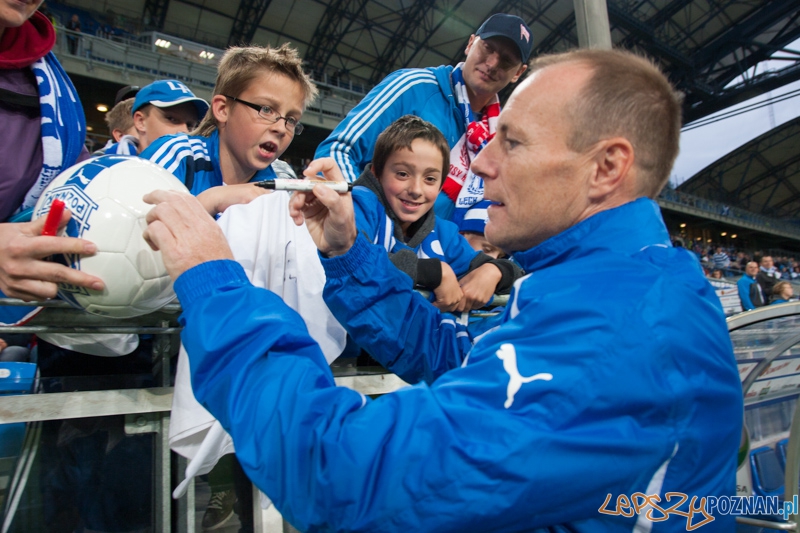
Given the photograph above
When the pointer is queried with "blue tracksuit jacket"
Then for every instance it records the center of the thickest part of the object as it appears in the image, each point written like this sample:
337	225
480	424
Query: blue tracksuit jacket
743	286
612	373
425	92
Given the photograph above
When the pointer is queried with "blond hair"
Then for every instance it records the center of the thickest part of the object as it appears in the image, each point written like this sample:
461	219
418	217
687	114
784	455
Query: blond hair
120	117
627	96
777	289
241	64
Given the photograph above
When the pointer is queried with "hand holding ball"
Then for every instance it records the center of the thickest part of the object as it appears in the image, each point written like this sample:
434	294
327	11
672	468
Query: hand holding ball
105	198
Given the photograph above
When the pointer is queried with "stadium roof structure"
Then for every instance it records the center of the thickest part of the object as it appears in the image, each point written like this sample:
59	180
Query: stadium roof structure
763	176
708	47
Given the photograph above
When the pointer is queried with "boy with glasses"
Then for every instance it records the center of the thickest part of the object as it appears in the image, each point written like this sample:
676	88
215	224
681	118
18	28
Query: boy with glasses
255	112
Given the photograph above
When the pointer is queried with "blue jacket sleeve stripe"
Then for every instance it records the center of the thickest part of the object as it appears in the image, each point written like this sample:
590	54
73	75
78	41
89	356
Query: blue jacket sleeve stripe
385	98
373	110
396	87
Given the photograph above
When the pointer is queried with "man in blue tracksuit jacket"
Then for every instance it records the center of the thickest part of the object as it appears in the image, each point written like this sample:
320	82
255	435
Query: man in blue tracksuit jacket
496	55
607	400
424	92
744	285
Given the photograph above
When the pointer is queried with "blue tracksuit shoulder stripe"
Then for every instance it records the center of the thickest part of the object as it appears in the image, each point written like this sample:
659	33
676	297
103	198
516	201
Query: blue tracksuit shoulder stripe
195	149
390	93
170	153
178	154
166	145
372	111
388	237
514	307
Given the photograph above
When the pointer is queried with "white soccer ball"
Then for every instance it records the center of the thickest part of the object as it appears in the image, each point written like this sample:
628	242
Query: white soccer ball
105	197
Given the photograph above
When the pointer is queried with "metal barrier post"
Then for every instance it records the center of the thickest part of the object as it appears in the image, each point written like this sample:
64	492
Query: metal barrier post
186	503
163	470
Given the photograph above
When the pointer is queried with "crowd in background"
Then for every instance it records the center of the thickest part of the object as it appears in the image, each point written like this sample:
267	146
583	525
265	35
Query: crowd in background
724	261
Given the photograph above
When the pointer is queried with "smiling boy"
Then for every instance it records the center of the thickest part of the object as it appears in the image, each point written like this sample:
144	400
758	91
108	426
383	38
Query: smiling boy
394	199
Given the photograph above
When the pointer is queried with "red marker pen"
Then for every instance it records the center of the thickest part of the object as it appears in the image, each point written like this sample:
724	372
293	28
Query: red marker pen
53	218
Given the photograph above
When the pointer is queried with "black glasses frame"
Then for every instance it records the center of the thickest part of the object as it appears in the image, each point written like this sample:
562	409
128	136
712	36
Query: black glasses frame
297	129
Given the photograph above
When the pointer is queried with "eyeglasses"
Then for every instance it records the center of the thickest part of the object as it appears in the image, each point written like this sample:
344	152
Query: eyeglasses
271	116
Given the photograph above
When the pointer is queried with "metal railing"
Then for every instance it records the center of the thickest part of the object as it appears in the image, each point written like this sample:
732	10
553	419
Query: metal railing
146	410
143	57
719	211
792	468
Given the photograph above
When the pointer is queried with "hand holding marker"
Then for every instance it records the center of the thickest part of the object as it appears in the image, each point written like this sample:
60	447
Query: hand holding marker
303	185
53	218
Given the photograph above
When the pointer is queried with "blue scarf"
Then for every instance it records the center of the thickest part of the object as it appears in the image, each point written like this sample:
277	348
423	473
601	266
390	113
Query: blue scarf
63	135
63	127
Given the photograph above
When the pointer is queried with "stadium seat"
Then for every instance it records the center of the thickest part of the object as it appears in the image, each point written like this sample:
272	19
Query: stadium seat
15	378
767	472
781	447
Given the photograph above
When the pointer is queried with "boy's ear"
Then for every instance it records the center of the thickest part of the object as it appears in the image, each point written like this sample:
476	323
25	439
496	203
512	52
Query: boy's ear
220	108
138	122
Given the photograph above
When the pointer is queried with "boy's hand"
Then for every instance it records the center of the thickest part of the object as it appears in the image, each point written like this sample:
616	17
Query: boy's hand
448	293
25	274
218	199
329	215
180	227
479	287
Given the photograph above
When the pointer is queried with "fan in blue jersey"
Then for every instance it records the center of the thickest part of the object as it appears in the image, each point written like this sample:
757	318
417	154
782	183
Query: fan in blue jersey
394	200
462	102
258	100
610	375
165	107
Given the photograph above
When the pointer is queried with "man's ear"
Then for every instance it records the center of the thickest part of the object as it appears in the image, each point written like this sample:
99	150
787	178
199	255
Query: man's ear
614	169
520	72
469	44
220	109
117	134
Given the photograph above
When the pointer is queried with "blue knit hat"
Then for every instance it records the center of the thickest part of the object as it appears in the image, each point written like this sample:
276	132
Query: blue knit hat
475	218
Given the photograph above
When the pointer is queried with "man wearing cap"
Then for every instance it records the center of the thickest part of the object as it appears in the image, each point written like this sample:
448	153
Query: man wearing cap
162	108
461	101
